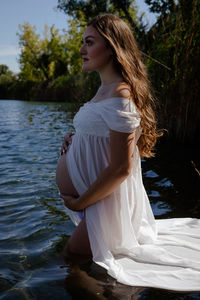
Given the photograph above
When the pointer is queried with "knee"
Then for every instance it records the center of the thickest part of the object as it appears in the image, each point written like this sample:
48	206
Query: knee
71	247
75	248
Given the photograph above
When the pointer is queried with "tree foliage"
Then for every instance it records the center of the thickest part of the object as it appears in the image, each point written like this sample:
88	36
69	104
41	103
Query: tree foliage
53	55
42	59
6	80
174	40
6	76
161	7
85	10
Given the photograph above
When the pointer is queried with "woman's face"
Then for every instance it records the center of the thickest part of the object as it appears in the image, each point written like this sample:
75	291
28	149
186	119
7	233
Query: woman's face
96	54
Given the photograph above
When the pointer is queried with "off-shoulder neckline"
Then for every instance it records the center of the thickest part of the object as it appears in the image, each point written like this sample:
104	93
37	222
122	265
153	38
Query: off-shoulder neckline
103	100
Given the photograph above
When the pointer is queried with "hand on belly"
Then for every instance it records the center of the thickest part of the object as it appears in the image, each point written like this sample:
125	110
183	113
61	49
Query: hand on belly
63	179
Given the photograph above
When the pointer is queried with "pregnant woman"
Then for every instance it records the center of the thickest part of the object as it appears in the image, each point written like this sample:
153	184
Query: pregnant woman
99	172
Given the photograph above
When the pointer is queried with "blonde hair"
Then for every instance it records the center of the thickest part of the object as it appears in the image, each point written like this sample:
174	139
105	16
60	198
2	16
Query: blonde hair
127	59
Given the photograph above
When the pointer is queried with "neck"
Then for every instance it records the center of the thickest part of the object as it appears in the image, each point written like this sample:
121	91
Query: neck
109	75
111	82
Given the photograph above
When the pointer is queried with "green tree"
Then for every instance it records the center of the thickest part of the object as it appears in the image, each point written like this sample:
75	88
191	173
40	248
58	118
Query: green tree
162	7
84	10
42	59
6	75
7	78
3	69
74	38
174	40
30	45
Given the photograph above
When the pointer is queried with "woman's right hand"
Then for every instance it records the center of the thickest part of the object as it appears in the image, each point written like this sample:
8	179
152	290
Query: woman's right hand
66	142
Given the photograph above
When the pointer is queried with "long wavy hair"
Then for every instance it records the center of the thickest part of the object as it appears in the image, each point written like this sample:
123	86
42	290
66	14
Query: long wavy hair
128	62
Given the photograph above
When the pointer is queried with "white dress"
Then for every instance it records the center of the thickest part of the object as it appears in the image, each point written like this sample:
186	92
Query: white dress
125	238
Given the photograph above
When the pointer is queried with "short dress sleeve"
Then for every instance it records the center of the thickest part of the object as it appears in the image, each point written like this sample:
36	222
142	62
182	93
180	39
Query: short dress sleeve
120	114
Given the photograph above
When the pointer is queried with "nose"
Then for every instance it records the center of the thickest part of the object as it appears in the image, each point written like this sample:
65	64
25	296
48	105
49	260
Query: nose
82	50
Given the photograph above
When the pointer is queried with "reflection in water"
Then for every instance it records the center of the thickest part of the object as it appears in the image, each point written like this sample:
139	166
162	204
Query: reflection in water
84	285
79	284
87	280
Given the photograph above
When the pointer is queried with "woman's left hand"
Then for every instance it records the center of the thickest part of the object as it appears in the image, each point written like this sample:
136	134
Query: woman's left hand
70	202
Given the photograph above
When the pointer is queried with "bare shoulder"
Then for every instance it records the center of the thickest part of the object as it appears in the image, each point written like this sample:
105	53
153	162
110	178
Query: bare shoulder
122	90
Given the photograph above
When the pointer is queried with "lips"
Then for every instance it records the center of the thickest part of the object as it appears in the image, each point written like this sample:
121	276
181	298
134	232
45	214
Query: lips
85	59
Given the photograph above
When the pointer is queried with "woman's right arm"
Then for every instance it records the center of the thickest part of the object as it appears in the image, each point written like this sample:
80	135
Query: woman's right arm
66	142
122	147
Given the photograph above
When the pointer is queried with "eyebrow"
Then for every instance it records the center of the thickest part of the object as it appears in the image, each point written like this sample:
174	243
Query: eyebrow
89	37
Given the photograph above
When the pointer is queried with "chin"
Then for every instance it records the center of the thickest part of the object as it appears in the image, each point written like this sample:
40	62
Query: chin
85	68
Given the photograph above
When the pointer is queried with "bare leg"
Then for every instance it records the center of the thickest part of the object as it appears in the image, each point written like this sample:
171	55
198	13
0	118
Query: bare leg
79	242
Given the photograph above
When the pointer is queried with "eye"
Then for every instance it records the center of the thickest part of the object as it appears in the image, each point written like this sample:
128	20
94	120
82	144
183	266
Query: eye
89	43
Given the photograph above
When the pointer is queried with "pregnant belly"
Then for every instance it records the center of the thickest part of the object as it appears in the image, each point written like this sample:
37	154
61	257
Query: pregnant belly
63	179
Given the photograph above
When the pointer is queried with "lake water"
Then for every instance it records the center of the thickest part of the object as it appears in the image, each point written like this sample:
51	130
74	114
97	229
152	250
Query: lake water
33	221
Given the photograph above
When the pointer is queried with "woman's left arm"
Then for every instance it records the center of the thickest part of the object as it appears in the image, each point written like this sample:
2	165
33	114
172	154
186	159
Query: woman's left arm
121	160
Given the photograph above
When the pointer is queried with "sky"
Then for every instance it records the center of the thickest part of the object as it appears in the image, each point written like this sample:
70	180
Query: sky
38	13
